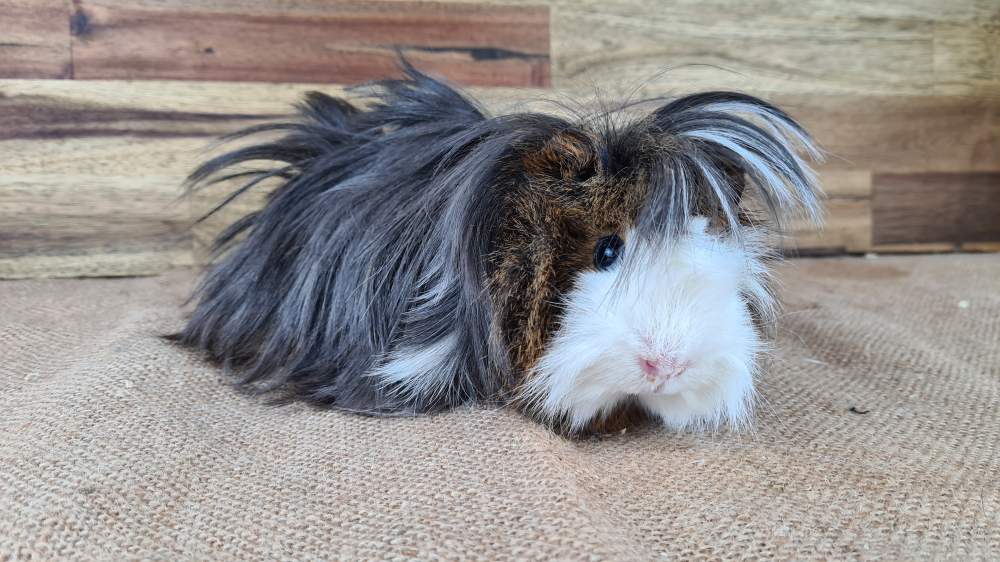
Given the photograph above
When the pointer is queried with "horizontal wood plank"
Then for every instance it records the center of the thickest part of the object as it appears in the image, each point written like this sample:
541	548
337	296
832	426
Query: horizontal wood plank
52	216
92	186
911	248
936	207
902	133
95	265
42	117
847	228
347	43
981	247
914	47
81	224
34	39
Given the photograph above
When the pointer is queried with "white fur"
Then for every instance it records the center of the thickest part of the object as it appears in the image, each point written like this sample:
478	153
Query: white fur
420	372
688	301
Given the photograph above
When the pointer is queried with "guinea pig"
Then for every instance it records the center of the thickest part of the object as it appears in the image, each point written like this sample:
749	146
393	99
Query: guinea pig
418	254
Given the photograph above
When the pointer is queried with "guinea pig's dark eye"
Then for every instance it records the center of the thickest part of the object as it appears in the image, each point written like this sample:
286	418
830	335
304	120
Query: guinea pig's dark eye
607	251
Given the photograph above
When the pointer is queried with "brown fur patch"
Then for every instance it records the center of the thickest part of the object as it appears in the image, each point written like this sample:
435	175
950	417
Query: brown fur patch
626	416
569	155
553	221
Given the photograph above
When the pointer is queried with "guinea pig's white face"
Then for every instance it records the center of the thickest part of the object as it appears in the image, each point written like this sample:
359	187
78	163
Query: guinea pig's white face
672	331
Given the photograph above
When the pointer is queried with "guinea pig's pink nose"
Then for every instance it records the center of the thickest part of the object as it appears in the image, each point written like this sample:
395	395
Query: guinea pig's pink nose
650	367
662	367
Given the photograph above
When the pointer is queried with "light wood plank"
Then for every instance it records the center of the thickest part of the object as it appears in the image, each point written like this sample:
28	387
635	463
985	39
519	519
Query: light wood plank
88	187
56	217
847	228
773	46
46	117
151	262
96	205
981	247
968	54
845	183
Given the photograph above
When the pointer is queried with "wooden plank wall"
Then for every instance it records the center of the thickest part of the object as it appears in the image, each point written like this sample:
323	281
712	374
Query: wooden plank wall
106	105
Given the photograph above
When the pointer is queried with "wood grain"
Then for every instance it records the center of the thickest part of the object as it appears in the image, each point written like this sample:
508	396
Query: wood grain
911	248
346	43
93	205
902	133
980	247
43	117
911	47
936	207
91	186
34	39
79	226
847	228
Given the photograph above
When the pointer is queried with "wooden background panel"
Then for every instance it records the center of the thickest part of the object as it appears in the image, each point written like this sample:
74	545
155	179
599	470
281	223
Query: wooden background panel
345	43
94	205
92	172
899	93
41	117
847	223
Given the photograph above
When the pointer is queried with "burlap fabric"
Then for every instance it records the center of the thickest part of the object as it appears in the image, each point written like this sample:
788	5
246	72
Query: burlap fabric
878	438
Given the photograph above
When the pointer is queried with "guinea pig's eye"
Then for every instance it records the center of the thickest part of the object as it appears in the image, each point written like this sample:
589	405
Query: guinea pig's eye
607	251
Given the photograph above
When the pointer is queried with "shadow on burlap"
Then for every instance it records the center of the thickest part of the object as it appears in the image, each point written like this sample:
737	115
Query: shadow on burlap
878	437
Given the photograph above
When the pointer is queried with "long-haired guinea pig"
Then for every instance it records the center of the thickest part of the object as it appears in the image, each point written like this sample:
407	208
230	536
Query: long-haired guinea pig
420	254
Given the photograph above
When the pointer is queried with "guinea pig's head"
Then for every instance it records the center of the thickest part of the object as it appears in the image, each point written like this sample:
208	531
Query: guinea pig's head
673	332
628	275
421	254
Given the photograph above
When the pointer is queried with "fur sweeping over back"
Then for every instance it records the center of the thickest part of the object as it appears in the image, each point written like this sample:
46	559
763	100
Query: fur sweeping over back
420	254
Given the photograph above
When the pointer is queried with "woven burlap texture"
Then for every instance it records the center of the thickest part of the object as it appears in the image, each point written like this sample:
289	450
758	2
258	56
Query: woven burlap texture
877	437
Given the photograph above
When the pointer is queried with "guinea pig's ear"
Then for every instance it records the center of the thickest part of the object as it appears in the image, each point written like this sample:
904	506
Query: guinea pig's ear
568	154
725	143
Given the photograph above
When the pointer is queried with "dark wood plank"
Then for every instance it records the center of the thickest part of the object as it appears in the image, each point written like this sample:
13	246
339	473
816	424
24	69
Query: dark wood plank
343	43
936	207
44	117
34	39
